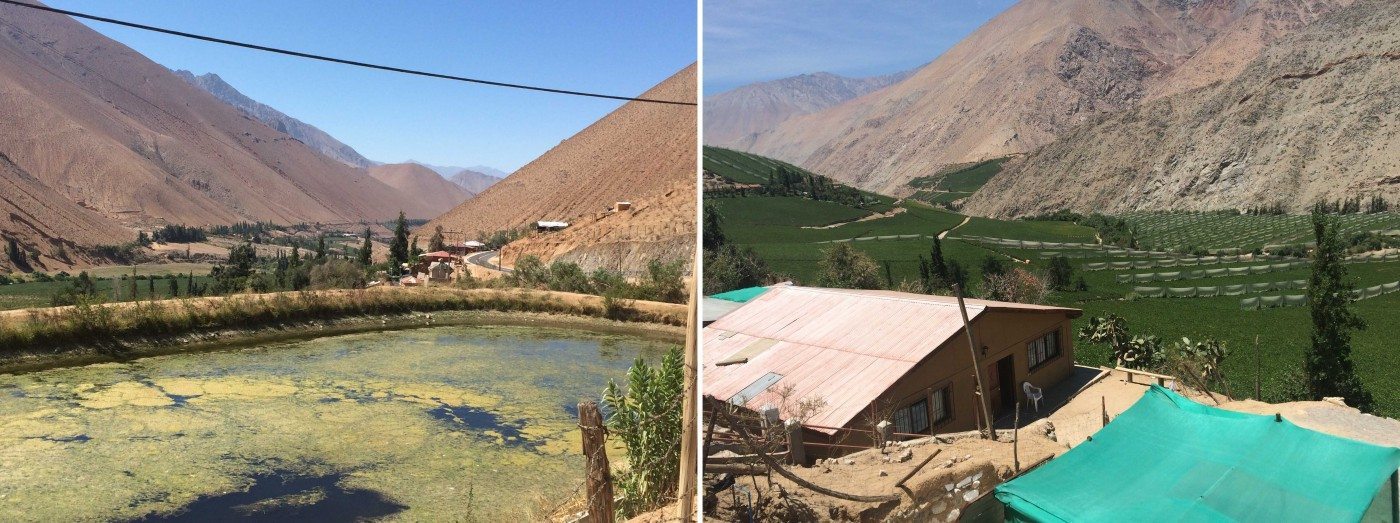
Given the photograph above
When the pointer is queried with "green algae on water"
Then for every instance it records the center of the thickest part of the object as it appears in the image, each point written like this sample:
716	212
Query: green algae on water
439	423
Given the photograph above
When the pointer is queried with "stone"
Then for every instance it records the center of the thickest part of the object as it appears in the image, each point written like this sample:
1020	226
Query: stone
953	516
971	495
849	462
905	456
939	507
883	473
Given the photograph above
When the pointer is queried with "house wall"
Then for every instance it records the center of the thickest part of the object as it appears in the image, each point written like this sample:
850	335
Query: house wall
1002	333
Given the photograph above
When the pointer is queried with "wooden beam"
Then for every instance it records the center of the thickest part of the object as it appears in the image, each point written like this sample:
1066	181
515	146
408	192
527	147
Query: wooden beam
685	492
983	401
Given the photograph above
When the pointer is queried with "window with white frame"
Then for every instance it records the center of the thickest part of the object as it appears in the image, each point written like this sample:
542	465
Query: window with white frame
912	419
1043	349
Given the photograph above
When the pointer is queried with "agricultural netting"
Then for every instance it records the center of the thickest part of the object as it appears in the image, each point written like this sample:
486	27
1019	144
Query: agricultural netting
880	238
1299	300
1214	229
1038	245
1168	458
1374	257
1178	262
1218	290
1209	273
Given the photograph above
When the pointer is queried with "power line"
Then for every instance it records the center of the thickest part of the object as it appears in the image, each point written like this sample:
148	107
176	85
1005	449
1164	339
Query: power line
300	54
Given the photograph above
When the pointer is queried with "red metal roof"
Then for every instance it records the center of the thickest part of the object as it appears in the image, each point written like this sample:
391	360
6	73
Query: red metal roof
844	346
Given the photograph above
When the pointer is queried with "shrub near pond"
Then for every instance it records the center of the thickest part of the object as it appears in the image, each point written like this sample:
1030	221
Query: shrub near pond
647	419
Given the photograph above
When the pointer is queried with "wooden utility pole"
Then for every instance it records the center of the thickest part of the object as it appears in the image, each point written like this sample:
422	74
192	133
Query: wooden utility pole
598	474
685	491
984	402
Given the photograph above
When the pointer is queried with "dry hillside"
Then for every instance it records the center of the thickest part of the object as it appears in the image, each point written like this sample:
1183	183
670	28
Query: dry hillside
639	151
45	223
434	194
1037	69
658	228
104	127
733	118
1312	118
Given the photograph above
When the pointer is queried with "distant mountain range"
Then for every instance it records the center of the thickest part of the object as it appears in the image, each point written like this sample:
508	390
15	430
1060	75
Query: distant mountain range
733	117
1110	96
474	182
307	133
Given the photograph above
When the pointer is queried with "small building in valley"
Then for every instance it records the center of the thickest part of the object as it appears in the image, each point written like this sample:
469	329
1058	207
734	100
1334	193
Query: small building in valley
548	226
870	356
622	206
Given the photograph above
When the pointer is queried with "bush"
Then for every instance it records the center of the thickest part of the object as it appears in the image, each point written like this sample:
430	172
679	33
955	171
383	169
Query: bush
842	266
337	274
664	282
730	267
647	419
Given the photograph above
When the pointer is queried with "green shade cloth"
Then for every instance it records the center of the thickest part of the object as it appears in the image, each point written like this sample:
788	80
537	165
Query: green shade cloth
1168	458
741	295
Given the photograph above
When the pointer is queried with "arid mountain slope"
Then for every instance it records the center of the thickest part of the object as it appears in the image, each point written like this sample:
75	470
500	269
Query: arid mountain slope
433	194
309	134
732	118
1035	70
658	228
44	222
474	182
104	127
641	150
1312	118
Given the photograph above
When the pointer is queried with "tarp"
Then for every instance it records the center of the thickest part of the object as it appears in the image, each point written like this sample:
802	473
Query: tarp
1168	458
741	295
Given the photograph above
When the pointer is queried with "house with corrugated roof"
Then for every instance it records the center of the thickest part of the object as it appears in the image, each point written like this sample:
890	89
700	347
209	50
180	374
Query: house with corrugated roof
871	356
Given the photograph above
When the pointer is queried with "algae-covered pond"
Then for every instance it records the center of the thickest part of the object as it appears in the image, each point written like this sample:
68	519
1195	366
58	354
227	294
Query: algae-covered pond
429	424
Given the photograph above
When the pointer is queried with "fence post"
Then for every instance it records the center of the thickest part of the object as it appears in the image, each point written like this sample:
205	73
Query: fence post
797	455
599	477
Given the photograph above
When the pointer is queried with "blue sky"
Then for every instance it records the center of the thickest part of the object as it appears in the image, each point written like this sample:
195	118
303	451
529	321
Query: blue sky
621	47
753	41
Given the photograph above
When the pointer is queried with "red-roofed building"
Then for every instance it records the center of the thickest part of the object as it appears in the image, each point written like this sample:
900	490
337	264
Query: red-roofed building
903	357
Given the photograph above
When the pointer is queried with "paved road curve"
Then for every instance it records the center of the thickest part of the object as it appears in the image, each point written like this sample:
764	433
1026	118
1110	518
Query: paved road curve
483	259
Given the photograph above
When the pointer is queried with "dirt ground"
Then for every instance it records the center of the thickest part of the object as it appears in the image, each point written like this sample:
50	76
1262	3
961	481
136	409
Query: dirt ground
944	485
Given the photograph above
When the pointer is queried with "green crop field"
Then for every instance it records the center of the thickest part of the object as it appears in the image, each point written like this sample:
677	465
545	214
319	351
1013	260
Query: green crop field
40	294
955	182
1215	230
742	167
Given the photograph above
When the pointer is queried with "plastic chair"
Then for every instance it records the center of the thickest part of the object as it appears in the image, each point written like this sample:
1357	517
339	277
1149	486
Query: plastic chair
1034	393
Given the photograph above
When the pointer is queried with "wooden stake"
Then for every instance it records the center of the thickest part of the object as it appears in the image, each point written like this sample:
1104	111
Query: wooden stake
685	506
1016	438
983	400
598	476
689	418
1103	404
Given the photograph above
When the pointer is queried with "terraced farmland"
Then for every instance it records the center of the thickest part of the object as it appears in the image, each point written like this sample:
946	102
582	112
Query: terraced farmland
1219	231
955	182
742	167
